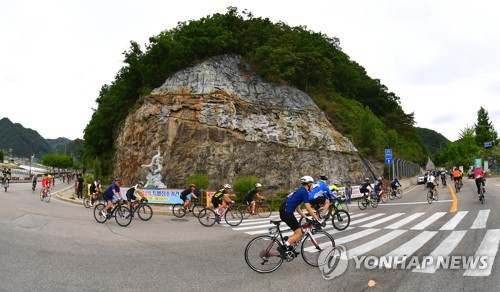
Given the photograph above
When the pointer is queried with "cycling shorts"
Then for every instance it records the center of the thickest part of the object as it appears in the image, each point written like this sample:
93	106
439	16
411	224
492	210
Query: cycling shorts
216	201
131	197
111	199
430	185
317	201
289	218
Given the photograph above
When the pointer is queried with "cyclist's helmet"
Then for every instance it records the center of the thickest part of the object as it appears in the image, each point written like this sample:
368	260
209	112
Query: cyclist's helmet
306	179
336	182
379	178
227	186
258	185
323	177
118	179
140	183
478	167
367	179
395	178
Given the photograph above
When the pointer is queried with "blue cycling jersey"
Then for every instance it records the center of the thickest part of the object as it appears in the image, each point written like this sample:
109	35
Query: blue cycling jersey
321	189
109	191
299	196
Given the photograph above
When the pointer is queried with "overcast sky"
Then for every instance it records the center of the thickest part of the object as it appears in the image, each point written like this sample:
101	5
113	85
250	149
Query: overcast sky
442	58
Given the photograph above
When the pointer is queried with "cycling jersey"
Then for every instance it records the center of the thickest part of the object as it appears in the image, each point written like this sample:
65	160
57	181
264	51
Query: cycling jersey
301	195
478	173
251	194
456	174
185	193
108	193
45	182
321	189
131	193
395	183
220	193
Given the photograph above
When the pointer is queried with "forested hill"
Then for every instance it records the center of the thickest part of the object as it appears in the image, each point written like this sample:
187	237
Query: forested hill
434	140
21	140
360	107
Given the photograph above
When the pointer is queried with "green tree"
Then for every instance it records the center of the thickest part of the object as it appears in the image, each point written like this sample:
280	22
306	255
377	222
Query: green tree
200	180
484	129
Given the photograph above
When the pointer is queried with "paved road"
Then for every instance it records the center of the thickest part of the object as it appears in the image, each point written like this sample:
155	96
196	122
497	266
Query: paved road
60	247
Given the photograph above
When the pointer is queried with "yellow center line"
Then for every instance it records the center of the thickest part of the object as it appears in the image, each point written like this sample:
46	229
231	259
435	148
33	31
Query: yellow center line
454	205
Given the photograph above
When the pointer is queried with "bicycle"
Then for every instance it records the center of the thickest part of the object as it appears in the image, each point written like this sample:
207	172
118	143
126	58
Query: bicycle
87	200
262	210
208	217
340	218
45	195
195	207
366	200
143	210
384	197
481	193
5	184
262	255
119	211
396	193
458	185
33	187
432	197
443	180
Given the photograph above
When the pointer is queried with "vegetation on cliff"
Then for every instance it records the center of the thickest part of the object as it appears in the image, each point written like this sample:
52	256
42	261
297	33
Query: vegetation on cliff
358	106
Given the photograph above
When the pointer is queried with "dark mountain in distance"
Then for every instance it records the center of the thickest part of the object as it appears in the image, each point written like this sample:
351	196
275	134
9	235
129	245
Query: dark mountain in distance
21	140
433	140
25	142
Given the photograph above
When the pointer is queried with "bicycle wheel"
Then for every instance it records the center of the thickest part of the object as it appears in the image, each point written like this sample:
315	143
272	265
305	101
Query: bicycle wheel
429	197
207	217
374	202
313	245
436	195
145	212
263	211
245	212
233	217
47	197
392	195
384	198
399	193
362	203
123	216
261	254
341	220
178	212
196	210
97	213
41	195
86	202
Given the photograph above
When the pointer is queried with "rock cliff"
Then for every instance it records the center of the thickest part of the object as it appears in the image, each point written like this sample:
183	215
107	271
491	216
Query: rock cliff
220	119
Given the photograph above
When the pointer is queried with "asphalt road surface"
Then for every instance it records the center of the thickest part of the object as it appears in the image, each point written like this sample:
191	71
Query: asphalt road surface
60	247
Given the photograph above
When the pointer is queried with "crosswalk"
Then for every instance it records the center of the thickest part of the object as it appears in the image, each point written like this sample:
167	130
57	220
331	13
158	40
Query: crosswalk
380	231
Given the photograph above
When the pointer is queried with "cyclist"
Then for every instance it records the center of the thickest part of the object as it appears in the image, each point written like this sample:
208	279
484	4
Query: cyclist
321	194
252	195
379	188
131	197
95	190
7	176
292	204
45	183
220	198
479	178
112	195
395	183
430	184
33	182
366	188
457	176
443	177
195	195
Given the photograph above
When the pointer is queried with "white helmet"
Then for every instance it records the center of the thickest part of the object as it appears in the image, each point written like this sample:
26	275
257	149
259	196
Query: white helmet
306	179
227	186
258	185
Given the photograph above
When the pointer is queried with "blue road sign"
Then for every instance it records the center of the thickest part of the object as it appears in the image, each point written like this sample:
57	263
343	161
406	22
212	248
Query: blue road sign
388	152
388	161
488	144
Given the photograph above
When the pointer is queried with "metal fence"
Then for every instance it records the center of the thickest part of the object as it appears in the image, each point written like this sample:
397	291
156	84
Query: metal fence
401	168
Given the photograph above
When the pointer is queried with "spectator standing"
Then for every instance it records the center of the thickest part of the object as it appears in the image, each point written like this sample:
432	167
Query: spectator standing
79	189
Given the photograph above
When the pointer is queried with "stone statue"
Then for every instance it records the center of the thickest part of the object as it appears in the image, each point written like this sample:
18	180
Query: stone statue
155	168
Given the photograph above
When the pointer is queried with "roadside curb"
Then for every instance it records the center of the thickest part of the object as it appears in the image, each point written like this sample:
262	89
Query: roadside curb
59	196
